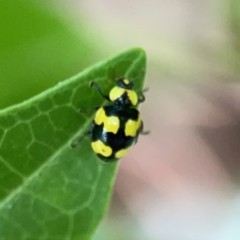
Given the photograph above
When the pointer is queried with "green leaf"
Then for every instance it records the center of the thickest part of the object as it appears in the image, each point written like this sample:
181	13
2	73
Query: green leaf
47	189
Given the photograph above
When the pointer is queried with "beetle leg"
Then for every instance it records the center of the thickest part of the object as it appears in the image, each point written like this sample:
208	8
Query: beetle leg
79	110
78	141
144	132
142	97
141	131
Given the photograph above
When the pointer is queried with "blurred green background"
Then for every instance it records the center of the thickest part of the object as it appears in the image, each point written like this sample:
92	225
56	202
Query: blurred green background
189	186
40	45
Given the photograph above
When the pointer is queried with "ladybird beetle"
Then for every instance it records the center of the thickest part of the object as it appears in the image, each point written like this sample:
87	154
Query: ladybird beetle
116	127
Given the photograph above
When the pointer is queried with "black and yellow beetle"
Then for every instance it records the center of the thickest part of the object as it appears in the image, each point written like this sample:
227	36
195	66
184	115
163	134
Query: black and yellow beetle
116	127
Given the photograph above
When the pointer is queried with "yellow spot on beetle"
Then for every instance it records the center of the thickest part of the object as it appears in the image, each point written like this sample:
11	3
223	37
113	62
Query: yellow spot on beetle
133	97
126	81
122	153
132	127
100	148
116	93
100	116
110	124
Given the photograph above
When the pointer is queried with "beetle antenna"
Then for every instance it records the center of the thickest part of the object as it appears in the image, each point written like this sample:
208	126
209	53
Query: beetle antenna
95	85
